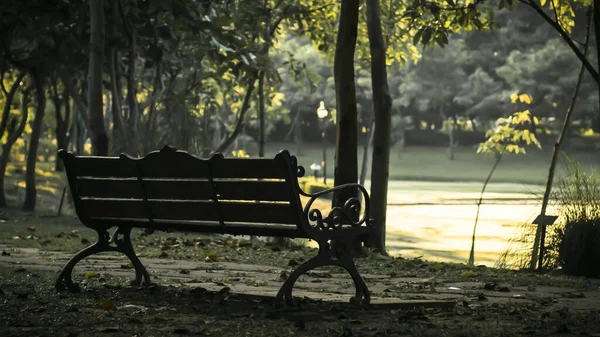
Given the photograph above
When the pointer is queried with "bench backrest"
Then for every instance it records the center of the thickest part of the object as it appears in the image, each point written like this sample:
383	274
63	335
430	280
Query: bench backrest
170	186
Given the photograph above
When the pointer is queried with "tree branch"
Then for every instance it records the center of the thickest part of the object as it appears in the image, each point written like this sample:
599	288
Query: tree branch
586	63
240	121
77	98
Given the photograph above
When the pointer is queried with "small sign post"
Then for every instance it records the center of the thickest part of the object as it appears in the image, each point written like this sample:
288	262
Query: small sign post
544	221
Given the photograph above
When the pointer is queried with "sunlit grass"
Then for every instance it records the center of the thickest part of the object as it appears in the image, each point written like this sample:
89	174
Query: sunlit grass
432	163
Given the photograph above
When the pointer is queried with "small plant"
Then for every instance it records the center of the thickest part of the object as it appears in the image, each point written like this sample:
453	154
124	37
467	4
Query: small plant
510	136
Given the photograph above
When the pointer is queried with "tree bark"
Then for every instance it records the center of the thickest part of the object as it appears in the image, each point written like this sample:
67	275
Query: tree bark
261	83
36	131
95	104
62	123
261	114
118	131
597	36
382	102
10	141
134	114
346	158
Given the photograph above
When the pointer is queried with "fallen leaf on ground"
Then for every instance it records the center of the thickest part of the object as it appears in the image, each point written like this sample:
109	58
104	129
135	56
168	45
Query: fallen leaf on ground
90	274
107	305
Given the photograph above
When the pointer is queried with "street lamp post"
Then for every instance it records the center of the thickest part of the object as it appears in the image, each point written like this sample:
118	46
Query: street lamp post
323	113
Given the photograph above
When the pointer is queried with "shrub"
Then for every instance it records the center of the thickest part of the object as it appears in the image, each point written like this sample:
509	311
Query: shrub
573	243
440	138
313	185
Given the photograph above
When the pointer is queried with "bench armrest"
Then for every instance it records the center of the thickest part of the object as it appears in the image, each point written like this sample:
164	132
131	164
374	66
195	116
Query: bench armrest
348	214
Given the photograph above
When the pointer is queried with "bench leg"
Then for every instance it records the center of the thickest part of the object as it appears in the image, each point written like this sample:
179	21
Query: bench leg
324	258
122	245
64	277
126	247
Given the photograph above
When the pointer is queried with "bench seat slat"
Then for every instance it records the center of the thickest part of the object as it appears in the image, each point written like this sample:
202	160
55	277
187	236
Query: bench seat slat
184	189
276	213
104	167
248	168
280	230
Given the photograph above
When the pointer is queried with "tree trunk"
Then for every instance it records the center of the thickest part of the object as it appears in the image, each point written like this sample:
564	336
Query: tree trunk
456	124
597	37
10	141
471	261
62	123
95	104
382	102
224	145
346	158
365	159
261	83
118	131
261	114
450	135
132	140
473	124
36	131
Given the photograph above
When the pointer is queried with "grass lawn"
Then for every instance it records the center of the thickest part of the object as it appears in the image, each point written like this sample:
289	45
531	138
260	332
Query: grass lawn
432	163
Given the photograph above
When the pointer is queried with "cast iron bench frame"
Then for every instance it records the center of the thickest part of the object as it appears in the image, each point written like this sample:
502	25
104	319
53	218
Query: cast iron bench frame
176	191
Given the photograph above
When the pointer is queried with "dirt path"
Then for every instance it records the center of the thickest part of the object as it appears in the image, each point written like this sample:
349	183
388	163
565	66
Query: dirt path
260	280
200	298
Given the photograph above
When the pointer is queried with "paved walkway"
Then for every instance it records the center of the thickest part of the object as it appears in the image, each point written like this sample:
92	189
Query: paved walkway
266	280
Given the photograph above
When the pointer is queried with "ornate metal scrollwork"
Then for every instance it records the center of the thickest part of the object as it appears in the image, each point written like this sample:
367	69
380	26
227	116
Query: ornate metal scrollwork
338	216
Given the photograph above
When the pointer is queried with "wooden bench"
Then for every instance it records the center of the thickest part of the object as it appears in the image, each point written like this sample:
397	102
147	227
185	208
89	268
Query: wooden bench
171	190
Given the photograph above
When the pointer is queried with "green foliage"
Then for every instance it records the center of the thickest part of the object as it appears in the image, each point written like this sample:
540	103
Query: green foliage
509	134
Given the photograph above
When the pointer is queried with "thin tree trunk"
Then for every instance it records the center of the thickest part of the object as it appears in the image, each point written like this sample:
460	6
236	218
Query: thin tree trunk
597	36
62	124
10	141
134	114
261	83
540	232
450	137
382	102
240	121
485	183
298	133
365	158
95	104
456	124
36	131
118	131
261	114
473	124
346	157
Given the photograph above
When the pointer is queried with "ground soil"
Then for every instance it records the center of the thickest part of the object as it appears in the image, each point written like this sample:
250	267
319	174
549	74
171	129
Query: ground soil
223	286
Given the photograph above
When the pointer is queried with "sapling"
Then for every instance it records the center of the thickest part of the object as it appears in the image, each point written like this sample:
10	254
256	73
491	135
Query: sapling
511	135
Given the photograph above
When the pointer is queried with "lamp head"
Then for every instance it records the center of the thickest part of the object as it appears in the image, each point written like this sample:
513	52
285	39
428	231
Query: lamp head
321	111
